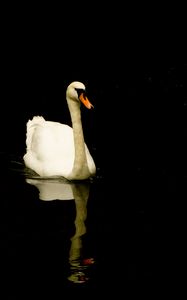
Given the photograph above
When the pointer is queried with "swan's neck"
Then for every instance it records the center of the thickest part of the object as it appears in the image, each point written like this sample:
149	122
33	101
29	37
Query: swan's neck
80	167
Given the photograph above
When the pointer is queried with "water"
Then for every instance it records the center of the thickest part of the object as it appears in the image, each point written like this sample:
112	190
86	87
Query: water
122	235
74	235
47	227
53	229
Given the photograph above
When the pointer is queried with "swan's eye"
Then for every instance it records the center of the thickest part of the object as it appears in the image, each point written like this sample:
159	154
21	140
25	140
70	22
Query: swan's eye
80	91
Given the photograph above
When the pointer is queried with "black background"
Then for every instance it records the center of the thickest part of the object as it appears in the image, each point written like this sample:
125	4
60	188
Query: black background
137	91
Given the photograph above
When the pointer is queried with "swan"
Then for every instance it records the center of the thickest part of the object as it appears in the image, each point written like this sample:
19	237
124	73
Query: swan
55	149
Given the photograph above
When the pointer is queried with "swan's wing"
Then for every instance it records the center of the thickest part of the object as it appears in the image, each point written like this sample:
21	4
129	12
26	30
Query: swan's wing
52	141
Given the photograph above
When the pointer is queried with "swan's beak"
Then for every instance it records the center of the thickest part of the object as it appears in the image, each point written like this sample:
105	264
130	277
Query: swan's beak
85	101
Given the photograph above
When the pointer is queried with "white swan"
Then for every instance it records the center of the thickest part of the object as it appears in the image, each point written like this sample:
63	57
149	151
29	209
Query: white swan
55	149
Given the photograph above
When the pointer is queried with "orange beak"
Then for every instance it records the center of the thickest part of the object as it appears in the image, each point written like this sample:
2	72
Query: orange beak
85	101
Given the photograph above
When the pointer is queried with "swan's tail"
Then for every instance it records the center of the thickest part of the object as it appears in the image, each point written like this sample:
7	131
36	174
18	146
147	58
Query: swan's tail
31	125
35	121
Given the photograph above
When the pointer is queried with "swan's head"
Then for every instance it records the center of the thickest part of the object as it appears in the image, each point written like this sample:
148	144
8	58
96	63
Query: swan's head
76	91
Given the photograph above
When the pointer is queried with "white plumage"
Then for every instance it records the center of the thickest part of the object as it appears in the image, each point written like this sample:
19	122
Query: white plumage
55	149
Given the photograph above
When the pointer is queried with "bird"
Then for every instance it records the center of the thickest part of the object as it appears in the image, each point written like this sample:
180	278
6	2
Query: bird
56	149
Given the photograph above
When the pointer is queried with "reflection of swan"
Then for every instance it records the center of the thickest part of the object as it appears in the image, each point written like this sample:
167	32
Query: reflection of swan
52	189
55	149
58	189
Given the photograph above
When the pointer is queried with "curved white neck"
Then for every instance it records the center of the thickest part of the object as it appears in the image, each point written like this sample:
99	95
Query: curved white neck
80	167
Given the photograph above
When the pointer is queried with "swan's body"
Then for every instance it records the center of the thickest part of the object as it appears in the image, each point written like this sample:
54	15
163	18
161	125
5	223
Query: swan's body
55	149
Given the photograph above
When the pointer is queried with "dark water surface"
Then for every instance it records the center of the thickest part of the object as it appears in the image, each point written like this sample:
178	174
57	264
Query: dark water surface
81	235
